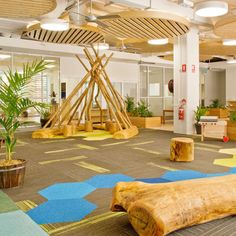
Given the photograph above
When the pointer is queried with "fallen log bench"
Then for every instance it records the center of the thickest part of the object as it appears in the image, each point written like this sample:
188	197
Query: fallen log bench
159	209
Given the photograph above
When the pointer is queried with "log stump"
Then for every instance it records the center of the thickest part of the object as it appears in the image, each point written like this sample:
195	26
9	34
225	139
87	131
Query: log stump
112	127
158	209
88	126
182	149
68	130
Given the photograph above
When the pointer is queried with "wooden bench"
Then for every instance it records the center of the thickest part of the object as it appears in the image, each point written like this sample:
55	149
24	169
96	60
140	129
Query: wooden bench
158	209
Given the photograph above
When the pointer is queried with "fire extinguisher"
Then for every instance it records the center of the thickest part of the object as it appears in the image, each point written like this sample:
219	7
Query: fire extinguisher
181	113
181	109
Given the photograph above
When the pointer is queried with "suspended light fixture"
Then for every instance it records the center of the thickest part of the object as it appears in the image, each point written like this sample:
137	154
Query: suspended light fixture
229	42
54	24
211	8
4	56
158	41
101	46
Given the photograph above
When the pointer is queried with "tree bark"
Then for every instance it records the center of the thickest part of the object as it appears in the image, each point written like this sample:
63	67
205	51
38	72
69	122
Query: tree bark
158	209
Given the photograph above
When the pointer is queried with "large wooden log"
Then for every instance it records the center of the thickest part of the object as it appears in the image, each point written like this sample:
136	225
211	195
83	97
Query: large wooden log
126	133
158	209
182	149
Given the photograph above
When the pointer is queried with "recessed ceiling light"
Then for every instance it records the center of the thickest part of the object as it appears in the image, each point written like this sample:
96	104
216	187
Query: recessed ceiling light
211	8
54	24
50	66
101	46
158	41
229	42
4	56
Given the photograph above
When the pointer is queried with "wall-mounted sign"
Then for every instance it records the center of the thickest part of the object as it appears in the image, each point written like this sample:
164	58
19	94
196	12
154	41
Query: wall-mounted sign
193	68
184	67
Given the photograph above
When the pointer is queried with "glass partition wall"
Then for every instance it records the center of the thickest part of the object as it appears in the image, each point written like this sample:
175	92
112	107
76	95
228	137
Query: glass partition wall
154	88
43	85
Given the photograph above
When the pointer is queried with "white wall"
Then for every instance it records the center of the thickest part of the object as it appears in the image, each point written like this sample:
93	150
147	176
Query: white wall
215	86
231	84
71	72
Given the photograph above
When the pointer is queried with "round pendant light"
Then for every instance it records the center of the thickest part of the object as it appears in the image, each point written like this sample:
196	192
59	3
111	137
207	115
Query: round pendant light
101	46
229	42
158	41
211	8
54	24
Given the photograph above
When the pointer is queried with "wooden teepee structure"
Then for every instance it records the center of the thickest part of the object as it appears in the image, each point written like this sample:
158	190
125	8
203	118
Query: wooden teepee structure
63	120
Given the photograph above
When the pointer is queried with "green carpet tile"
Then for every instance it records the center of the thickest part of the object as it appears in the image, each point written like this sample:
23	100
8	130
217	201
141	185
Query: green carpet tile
6	204
17	223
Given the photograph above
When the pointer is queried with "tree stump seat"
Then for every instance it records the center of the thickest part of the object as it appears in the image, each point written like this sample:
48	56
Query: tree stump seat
159	209
182	149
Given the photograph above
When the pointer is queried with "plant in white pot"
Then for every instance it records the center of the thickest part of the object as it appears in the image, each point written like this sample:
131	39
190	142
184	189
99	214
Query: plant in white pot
14	100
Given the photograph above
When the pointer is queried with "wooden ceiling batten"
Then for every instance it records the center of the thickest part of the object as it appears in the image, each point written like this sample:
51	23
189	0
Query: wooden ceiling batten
145	25
71	36
25	8
152	25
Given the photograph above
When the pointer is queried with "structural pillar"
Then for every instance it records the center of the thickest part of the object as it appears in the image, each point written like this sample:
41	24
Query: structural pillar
186	80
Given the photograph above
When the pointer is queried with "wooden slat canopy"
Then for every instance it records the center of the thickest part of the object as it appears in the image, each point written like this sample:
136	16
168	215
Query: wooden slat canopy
25	8
145	25
71	36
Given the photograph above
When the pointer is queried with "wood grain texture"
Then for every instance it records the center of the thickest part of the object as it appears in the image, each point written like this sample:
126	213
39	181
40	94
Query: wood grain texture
158	209
181	149
25	8
76	36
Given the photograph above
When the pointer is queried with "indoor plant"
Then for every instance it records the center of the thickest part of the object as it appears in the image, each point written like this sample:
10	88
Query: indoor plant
45	116
142	117
231	126
13	102
200	111
130	105
217	109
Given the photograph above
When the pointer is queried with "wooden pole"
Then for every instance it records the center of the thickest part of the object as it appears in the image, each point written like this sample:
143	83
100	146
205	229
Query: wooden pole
62	107
113	91
99	106
78	103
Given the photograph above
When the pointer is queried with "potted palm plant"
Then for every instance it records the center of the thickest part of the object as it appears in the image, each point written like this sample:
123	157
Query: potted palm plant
13	102
45	115
201	111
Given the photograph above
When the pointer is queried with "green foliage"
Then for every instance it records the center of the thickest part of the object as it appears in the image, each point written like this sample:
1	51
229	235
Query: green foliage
216	104
130	105
201	111
14	101
45	113
232	116
142	110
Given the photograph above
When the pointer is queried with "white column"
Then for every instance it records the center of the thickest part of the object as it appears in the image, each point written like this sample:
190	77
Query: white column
186	84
